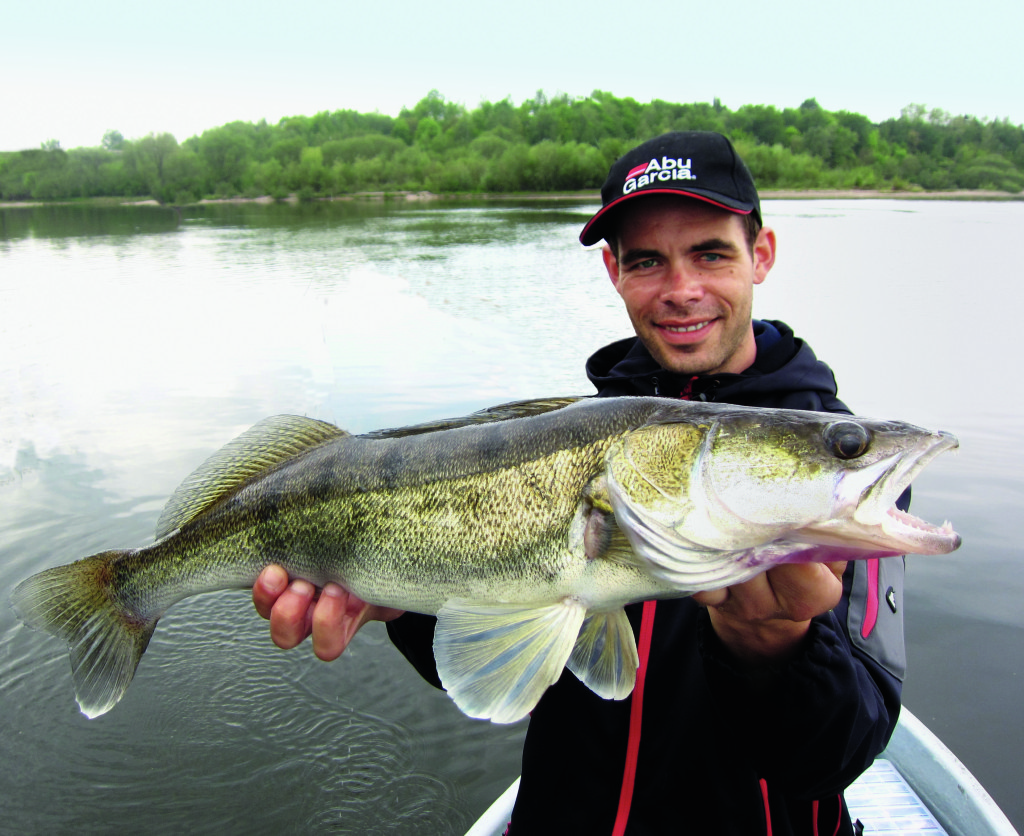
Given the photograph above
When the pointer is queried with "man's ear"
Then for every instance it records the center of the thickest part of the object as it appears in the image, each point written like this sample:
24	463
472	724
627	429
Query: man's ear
764	253
611	264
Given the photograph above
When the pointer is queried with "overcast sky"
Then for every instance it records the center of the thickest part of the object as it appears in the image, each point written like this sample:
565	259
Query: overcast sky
72	70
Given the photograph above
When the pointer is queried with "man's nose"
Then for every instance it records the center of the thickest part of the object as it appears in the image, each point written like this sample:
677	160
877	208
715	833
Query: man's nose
683	285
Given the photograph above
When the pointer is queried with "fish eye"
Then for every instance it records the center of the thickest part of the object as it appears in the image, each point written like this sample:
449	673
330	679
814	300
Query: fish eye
847	440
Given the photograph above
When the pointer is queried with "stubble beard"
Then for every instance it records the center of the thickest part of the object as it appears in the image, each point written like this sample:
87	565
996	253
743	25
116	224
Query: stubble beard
700	358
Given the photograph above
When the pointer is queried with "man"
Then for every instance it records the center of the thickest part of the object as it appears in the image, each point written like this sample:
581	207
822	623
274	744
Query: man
756	705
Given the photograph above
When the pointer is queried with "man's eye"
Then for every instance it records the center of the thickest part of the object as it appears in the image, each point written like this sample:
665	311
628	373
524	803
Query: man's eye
646	264
711	257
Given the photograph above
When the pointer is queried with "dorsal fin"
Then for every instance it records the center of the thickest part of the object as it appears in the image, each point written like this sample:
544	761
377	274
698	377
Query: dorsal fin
261	447
490	415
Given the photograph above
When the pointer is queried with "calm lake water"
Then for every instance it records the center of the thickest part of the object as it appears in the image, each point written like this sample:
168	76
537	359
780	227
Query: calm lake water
136	341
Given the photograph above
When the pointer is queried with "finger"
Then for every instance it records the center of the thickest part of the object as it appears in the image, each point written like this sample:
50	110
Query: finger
838	569
268	587
803	591
335	621
291	616
712	597
791	591
752	600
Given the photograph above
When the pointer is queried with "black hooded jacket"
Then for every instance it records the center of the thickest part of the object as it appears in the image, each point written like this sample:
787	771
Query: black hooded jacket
715	749
785	375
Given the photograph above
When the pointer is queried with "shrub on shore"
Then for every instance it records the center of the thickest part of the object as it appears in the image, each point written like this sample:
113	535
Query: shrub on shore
543	145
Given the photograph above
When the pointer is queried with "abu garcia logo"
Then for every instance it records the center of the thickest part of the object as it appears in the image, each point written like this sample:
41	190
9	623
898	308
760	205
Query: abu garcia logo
647	174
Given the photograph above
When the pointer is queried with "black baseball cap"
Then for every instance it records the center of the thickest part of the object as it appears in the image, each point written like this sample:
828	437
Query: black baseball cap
699	164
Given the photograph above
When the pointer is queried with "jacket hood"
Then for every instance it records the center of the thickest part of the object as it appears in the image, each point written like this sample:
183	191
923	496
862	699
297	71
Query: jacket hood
785	374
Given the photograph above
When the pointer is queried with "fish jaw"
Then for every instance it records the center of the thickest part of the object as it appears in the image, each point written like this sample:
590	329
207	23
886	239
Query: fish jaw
871	523
727	517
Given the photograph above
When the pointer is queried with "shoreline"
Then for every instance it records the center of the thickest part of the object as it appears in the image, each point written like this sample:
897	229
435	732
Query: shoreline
424	196
879	194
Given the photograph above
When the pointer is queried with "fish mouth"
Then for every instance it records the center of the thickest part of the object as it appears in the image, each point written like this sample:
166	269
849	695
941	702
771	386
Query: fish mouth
874	523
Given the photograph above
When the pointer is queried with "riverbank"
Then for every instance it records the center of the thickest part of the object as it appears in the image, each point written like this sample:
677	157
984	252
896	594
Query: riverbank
766	194
875	194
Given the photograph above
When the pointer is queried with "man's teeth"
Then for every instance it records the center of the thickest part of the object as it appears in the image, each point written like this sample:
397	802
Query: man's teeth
680	329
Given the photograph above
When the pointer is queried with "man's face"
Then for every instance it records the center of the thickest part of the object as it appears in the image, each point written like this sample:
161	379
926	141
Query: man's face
686	274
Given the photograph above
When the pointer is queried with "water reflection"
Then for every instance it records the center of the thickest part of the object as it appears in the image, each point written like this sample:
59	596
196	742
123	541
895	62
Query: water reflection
463	221
81	221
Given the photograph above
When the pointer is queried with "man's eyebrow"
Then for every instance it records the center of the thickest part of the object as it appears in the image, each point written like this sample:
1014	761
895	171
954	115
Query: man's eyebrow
714	244
631	256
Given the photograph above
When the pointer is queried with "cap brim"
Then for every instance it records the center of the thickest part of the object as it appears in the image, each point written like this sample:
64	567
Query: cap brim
594	231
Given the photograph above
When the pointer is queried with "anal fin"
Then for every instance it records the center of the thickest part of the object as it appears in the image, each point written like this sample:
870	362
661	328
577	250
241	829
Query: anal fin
604	657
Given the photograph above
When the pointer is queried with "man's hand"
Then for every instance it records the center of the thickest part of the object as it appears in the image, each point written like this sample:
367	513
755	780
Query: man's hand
332	615
766	618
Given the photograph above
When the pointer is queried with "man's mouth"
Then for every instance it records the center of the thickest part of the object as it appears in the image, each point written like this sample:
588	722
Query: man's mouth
686	329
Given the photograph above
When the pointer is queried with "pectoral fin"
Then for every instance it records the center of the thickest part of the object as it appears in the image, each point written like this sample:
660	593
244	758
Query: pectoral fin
605	657
497	661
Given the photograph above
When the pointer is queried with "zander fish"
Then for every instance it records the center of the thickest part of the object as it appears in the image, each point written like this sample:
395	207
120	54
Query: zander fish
525	528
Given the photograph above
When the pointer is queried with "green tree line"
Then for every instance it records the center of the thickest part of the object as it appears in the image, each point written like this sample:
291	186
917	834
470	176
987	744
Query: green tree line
545	144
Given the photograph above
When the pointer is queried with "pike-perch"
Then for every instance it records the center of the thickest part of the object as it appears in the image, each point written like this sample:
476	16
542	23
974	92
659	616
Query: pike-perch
525	528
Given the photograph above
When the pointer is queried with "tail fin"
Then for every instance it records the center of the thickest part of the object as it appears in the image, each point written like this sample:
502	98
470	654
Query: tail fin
105	641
